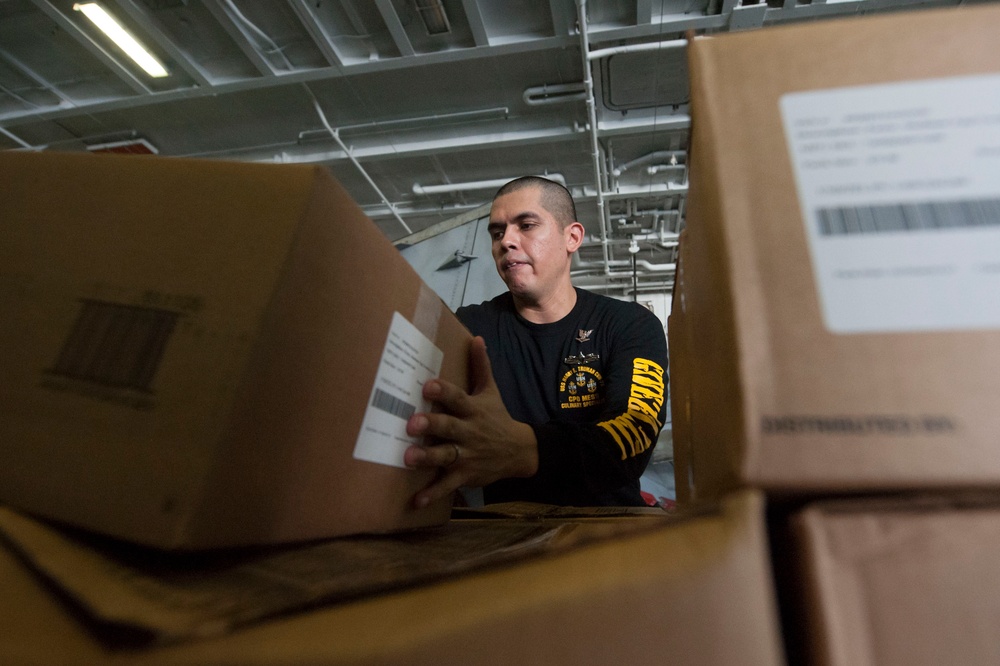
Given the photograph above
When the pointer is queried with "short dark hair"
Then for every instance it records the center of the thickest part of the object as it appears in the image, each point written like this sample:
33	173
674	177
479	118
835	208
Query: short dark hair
555	198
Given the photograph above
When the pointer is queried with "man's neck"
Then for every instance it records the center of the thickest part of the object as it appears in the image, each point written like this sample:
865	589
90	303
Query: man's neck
549	309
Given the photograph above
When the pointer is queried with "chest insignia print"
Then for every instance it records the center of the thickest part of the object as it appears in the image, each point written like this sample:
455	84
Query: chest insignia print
581	387
582	358
583	336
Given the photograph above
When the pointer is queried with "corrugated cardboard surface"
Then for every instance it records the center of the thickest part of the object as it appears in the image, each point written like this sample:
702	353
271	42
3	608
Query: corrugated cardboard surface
274	295
680	380
698	591
760	350
902	582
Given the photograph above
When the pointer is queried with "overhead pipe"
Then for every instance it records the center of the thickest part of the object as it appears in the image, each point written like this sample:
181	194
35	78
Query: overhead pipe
241	18
596	55
350	155
671	155
650	236
584	267
502	111
588	80
632	48
654	169
493	184
617	275
556	93
655	287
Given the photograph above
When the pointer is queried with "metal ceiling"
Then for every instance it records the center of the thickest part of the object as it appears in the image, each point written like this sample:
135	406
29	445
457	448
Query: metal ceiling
419	107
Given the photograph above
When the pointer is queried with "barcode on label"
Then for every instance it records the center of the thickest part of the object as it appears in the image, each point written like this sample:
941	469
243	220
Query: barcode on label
116	345
891	218
392	404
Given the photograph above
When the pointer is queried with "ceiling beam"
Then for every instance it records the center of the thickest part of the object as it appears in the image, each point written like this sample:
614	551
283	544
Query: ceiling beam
644	12
16	139
317	33
294	78
396	29
152	29
475	17
239	37
38	80
563	17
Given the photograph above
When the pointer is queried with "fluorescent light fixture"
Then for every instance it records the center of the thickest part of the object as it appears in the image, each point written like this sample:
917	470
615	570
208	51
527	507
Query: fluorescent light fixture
434	17
126	42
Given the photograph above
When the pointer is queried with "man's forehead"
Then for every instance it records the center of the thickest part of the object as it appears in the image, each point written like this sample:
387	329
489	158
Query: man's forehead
516	205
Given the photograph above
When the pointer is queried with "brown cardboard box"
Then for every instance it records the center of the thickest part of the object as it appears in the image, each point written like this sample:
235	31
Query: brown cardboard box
189	348
841	278
912	581
696	591
680	380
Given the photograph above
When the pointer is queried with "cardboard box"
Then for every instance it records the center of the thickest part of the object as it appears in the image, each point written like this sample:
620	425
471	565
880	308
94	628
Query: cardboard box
841	275
190	350
696	591
912	581
680	381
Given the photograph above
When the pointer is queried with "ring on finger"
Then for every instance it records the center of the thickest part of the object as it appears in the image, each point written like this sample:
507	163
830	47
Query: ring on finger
458	454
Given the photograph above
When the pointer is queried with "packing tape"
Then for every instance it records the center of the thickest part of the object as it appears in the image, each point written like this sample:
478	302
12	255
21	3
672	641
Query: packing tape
427	314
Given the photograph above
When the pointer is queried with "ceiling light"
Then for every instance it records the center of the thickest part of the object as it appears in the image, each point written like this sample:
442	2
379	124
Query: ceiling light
434	17
126	42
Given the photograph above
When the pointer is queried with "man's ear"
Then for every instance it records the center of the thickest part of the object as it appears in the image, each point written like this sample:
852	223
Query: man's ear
574	234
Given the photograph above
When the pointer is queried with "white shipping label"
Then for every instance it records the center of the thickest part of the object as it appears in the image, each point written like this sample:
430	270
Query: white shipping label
409	359
899	186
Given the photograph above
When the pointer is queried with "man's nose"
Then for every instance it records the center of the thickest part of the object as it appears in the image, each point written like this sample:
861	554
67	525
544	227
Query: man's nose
511	239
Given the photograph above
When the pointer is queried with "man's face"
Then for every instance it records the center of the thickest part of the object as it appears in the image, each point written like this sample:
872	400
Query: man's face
530	247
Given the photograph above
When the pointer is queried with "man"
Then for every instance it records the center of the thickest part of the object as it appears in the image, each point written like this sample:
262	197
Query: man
568	387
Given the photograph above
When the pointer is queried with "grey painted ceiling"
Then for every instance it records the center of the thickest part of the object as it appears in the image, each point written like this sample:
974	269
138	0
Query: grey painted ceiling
419	107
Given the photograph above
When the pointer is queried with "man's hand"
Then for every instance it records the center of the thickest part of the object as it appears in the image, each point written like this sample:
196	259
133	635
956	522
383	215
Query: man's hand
474	440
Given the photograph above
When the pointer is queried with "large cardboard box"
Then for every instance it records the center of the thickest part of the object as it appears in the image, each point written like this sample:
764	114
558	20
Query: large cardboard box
889	581
199	354
697	591
842	276
680	378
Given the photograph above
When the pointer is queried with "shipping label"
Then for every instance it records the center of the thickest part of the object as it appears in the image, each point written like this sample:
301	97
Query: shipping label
899	186
409	359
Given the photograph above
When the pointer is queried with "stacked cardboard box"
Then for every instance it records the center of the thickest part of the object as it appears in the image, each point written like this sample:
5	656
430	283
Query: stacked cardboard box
838	313
690	592
199	354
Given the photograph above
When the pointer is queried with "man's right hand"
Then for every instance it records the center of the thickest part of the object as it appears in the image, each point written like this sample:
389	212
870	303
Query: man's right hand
473	440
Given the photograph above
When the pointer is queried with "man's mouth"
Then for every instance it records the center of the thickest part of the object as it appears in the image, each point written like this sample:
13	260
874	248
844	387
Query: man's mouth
508	264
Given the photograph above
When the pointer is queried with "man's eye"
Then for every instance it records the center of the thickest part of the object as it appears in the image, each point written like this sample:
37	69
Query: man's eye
496	235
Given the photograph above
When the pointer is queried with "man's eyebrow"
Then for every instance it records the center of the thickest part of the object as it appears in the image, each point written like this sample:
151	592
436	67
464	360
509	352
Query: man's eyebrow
520	217
526	215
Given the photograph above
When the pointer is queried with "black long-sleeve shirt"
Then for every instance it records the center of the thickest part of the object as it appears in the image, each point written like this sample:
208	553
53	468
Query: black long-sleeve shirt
592	386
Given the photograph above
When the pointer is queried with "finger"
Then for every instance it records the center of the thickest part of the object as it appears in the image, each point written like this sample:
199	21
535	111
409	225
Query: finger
415	456
435	424
444	487
451	397
441	455
480	370
417	425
